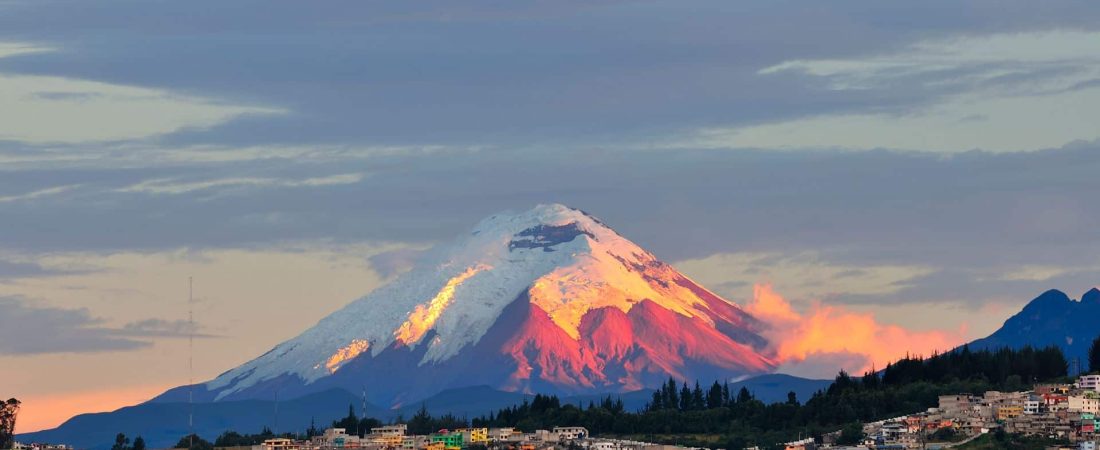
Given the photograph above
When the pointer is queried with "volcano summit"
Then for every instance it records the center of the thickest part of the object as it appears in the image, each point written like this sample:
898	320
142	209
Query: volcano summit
549	300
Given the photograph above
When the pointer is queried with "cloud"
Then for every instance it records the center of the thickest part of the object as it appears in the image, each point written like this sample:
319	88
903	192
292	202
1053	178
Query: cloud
1026	90
178	328
38	193
8	49
490	74
30	330
52	109
804	274
395	262
174	187
806	343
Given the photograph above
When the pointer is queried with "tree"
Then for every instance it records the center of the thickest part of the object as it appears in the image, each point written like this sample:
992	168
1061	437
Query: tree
697	399
792	398
139	443
312	430
195	442
714	396
350	423
685	397
672	400
1094	356
8	412
421	422
851	434
744	396
121	442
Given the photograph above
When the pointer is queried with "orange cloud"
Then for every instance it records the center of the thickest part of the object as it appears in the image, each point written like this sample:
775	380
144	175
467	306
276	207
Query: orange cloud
40	412
832	331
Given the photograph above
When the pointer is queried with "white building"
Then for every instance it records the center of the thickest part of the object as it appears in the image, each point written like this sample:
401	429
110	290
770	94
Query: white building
1089	382
390	435
1032	407
604	445
280	444
507	434
335	438
570	433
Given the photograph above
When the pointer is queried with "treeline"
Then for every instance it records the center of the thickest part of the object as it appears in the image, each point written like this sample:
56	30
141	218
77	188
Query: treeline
695	416
716	417
1004	367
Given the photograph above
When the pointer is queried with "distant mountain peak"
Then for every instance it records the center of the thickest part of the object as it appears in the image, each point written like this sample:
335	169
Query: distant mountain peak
1052	318
1092	296
548	299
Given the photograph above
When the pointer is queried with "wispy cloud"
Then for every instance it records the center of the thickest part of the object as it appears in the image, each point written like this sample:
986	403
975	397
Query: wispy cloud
27	329
54	109
178	328
805	275
172	186
38	194
8	49
1029	90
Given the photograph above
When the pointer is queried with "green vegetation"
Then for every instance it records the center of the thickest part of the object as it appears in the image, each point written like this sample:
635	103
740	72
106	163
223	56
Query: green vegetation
123	443
8	412
715	417
946	435
1094	356
194	442
1004	441
353	424
851	434
692	416
235	439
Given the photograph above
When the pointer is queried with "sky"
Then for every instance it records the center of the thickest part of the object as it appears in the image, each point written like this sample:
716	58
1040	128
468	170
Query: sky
928	166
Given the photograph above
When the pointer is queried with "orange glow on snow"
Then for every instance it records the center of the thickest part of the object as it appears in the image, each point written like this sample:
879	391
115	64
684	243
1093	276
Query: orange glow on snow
598	281
40	412
424	316
833	329
348	352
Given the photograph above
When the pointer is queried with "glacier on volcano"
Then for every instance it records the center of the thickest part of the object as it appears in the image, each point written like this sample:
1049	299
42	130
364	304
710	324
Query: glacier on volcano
547	300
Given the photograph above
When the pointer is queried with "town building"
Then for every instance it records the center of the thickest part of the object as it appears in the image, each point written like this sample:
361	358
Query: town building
570	433
1089	382
450	439
390	436
280	444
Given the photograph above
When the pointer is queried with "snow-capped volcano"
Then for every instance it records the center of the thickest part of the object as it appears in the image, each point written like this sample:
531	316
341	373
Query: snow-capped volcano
547	300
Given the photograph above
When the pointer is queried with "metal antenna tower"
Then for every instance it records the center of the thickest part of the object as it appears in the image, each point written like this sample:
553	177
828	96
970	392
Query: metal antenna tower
276	430
362	413
190	364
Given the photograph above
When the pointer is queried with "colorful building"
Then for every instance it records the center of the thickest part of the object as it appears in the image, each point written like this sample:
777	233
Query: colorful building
1009	412
450	439
475	435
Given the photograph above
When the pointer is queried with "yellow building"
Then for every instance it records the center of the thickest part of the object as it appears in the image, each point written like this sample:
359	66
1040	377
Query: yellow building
439	445
475	435
1009	412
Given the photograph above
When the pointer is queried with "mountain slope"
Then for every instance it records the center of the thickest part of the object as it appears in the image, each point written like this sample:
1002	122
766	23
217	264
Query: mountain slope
162	424
549	300
774	387
1051	319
